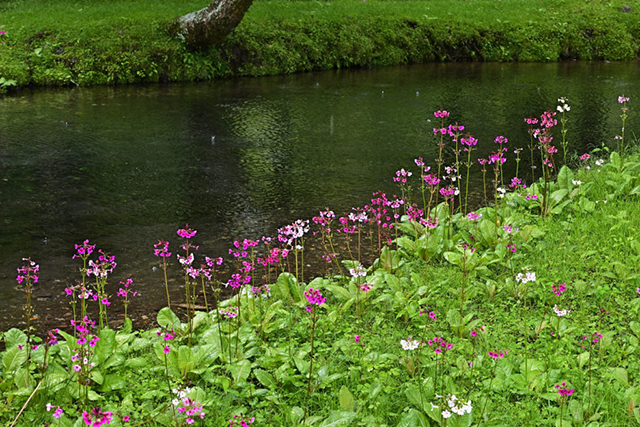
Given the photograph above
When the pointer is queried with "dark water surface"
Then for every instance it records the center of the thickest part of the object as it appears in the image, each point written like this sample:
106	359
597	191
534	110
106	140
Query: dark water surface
126	166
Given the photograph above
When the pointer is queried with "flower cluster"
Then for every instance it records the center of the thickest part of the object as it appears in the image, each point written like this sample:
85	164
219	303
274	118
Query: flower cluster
401	176
105	265
527	276
559	289
358	271
453	405
96	417
314	296
28	272
167	336
187	406
186	232
241	421
230	313
126	291
161	249
563	107
497	355
472	216
440	344
410	344
559	312
84	250
57	413
563	390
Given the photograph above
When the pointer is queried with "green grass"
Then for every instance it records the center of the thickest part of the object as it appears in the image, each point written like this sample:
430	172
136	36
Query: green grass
98	42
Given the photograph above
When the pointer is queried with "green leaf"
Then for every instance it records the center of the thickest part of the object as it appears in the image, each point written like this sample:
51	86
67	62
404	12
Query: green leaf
127	326
23	379
413	418
240	371
338	418
583	358
105	345
340	292
112	382
347	401
14	337
136	362
565	176
168	319
265	378
620	374
186	360
13	359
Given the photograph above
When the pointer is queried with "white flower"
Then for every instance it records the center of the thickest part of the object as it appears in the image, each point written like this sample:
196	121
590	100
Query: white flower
175	402
559	312
359	271
529	276
433	407
600	162
576	182
409	344
49	406
446	414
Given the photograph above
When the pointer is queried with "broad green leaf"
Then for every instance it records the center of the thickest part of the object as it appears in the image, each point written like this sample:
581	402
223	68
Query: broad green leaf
565	176
14	337
127	326
136	362
296	414
347	401
13	359
265	378
186	360
413	418
338	418
23	379
240	371
112	382
105	345
583	358
340	292
620	374
168	319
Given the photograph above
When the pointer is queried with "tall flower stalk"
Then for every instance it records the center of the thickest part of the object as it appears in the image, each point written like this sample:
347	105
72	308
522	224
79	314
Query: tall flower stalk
564	108
623	101
28	276
315	300
161	249
469	142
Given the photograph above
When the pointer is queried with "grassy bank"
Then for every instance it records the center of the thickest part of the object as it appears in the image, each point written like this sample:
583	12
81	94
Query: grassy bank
100	42
525	310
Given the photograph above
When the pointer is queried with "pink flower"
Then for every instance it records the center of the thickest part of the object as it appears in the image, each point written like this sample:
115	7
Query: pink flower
585	156
125	418
474	333
166	349
356	339
622	99
76	368
58	412
186	232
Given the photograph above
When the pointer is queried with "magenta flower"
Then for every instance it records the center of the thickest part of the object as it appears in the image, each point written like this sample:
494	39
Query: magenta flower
161	249
166	349
84	250
563	390
356	338
474	334
58	412
186	232
96	417
126	418
314	296
28	272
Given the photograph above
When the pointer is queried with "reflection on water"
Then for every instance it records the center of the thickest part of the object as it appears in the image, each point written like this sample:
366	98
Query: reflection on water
126	166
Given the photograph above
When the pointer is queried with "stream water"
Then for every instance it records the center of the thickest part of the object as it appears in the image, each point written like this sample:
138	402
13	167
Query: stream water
126	166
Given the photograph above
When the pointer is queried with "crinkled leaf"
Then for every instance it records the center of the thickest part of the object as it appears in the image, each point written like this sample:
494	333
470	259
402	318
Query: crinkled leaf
265	378
168	319
347	401
13	359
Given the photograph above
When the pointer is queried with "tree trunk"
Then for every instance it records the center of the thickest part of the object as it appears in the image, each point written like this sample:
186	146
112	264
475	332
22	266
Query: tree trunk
212	24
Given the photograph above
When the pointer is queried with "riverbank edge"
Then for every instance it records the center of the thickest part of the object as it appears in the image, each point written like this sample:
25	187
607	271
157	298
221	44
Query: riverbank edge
126	52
